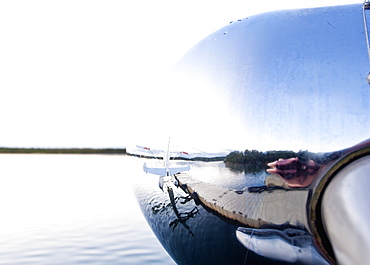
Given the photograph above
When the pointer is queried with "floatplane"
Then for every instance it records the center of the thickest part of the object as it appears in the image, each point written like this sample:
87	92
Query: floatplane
166	171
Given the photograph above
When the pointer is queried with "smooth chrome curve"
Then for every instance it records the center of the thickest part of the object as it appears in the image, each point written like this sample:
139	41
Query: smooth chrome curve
283	80
346	214
289	245
290	88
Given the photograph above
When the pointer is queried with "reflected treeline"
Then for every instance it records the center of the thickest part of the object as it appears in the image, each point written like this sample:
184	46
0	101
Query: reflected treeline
254	157
251	161
246	168
181	218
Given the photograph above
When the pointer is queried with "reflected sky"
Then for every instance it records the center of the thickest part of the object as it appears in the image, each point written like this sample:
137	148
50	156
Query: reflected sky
286	80
88	76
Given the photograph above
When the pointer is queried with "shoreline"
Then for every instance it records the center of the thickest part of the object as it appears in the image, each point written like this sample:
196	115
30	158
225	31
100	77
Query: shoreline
82	151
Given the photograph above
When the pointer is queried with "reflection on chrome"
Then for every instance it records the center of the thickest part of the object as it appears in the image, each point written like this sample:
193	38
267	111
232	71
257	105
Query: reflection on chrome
346	215
279	83
302	170
289	245
321	179
181	218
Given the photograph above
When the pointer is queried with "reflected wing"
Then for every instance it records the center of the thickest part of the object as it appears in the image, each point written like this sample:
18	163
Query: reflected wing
161	171
174	170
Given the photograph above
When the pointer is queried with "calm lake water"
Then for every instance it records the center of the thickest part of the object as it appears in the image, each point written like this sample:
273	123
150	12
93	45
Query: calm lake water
73	209
94	209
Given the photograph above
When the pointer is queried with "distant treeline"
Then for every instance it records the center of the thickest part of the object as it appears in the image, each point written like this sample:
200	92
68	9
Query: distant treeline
107	151
254	157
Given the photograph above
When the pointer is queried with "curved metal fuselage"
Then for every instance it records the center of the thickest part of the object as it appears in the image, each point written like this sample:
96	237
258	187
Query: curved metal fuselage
288	80
284	80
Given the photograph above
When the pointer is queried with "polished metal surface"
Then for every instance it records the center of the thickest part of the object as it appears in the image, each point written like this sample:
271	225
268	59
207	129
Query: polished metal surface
284	80
290	80
290	245
346	212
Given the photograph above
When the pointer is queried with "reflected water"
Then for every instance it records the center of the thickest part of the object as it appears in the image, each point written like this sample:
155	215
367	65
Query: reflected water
190	233
307	93
273	224
75	209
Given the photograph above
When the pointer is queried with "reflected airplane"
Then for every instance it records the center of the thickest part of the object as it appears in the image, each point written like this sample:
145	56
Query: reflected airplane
295	80
166	172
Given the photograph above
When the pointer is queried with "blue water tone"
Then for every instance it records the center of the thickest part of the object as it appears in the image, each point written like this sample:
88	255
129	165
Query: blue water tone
73	209
189	232
82	209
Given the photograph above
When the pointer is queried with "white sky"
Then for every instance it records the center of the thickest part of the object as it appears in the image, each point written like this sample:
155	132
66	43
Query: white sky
81	73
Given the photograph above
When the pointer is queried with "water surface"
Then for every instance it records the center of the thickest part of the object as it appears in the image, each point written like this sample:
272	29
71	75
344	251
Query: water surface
73	209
